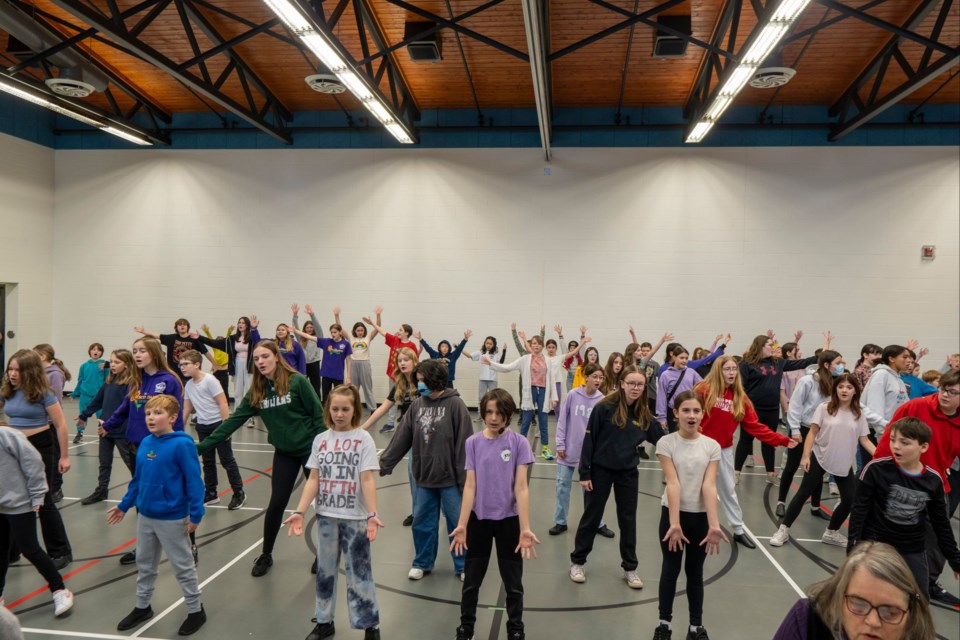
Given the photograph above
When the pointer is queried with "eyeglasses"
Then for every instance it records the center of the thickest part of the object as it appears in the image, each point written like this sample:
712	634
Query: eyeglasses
953	393
888	614
634	385
184	364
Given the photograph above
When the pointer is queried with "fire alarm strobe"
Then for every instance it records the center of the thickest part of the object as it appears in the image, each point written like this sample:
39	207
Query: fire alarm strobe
928	252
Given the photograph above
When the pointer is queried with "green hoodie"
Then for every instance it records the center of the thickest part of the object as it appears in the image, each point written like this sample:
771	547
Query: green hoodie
292	421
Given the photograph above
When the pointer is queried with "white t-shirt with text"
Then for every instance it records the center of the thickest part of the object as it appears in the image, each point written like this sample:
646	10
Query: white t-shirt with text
339	458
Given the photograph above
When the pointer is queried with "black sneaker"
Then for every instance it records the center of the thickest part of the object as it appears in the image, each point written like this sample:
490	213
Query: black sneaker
261	566
408	521
321	631
193	622
744	540
819	513
699	634
129	557
77	439
463	633
211	497
57	496
386	428
662	632
196	559
134	618
941	595
99	495
643	454
516	635
313	566
606	532
557	529
238	500
373	633
59	562
781	510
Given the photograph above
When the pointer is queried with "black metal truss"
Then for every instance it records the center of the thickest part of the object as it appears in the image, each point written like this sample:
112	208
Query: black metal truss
861	101
713	68
261	109
141	100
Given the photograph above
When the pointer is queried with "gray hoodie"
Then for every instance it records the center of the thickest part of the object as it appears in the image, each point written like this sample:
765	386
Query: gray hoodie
883	395
21	468
435	432
805	400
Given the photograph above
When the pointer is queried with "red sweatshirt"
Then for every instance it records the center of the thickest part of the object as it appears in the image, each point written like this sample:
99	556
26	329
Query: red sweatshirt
945	442
719	423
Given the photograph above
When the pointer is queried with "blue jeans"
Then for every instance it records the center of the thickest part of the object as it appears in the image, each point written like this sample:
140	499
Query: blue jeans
426	517
539	394
564	480
347	538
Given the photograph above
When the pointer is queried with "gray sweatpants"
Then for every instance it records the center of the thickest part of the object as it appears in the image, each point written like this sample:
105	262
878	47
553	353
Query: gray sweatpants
361	375
727	491
170	536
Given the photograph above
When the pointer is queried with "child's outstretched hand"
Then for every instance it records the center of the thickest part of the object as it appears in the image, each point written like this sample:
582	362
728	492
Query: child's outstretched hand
527	539
712	541
373	526
114	515
296	524
459	544
675	538
191	526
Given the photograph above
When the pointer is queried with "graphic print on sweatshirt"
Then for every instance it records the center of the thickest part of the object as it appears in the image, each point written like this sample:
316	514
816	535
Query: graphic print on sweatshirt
429	419
724	404
275	401
338	467
180	347
139	399
905	506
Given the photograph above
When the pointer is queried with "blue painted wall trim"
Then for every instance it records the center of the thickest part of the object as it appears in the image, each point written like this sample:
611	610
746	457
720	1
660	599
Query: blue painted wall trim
639	127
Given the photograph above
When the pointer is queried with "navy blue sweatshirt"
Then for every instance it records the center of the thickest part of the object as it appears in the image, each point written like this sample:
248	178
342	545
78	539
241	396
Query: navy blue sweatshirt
611	447
761	381
108	400
450	359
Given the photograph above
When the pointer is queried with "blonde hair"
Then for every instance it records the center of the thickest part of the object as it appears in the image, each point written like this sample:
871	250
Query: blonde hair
46	352
714	386
128	376
33	380
406	387
618	397
167	404
155	351
260	385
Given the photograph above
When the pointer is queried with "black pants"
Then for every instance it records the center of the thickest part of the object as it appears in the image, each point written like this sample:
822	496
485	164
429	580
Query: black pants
695	528
625	484
313	375
793	463
935	559
327	385
55	481
285	470
227	461
51	524
223	377
107	444
864	454
745	445
480	537
811	481
21	529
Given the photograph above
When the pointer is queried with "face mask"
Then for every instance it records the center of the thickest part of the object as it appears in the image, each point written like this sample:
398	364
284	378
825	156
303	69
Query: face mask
838	371
423	389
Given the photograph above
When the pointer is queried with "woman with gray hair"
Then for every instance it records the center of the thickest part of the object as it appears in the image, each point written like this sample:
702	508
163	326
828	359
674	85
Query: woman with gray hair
872	595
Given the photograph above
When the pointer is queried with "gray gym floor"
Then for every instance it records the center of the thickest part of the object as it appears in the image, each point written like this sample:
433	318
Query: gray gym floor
747	595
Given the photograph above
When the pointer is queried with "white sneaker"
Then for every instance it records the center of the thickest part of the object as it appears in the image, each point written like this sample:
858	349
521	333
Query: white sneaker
415	573
462	575
781	536
62	602
748	462
834	489
835	538
577	574
633	580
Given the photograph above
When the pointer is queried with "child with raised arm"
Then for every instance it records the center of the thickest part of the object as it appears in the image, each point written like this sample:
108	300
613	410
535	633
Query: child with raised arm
312	352
179	343
396	342
445	353
335	366
342	487
360	372
167	491
495	508
487	376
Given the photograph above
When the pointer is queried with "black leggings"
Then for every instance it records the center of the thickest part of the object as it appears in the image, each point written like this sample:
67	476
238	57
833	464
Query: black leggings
127	455
51	524
21	529
793	463
695	528
745	445
812	480
481	535
285	470
624	483
313	375
327	385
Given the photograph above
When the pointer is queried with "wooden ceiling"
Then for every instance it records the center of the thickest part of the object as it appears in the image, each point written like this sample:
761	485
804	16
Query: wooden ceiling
588	77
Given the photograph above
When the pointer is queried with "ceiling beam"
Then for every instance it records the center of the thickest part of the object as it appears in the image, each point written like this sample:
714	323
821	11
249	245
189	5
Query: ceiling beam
536	28
118	33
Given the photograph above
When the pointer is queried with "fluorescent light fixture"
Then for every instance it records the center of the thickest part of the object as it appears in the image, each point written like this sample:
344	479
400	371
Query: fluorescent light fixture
761	43
9	86
320	44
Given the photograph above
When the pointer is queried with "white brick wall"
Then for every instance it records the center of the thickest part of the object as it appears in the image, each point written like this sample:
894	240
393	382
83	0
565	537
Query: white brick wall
696	241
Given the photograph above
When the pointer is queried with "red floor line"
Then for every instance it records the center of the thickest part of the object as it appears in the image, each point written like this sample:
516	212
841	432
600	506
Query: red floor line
250	479
81	569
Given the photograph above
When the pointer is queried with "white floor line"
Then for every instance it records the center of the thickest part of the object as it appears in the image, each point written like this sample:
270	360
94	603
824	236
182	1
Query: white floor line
792	538
206	506
220	571
79	634
776	565
82	444
270	451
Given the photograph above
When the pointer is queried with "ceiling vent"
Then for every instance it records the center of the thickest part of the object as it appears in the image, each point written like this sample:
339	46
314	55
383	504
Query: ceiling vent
772	77
425	48
325	83
70	83
669	45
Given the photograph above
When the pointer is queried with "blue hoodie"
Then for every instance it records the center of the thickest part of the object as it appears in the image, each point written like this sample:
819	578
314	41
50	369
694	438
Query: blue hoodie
450	359
916	387
160	383
167	484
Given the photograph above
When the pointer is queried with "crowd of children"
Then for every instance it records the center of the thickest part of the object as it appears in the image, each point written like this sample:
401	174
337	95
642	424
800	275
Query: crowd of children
886	436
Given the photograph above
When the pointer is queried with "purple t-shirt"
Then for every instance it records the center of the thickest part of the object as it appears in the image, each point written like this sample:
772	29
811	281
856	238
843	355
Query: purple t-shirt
335	354
495	464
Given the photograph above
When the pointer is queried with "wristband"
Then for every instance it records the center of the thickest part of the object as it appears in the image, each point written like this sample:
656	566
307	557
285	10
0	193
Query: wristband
372	514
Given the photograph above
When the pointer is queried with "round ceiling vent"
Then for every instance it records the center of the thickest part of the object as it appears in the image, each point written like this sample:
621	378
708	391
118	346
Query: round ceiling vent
70	87
325	83
772	77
